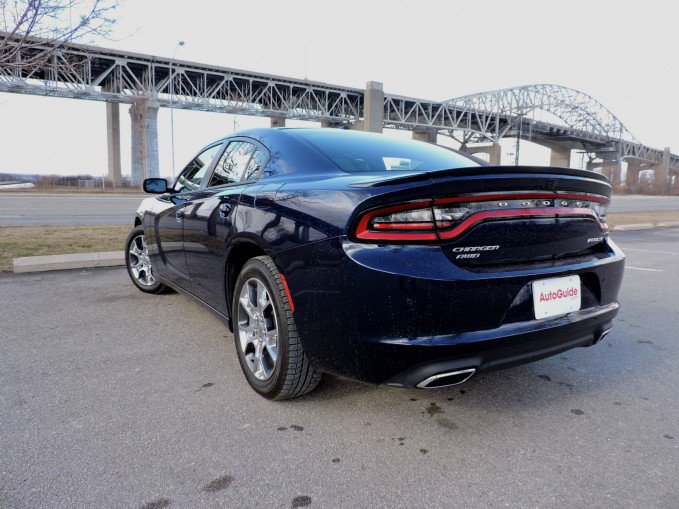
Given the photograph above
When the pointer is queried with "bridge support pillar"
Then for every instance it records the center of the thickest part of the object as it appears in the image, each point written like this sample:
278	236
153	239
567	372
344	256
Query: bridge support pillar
277	121
113	143
674	187
560	156
632	176
144	115
661	178
373	107
426	136
493	150
613	171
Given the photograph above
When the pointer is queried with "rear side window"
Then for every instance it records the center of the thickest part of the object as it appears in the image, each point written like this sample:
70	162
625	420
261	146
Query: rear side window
191	177
231	167
255	165
367	152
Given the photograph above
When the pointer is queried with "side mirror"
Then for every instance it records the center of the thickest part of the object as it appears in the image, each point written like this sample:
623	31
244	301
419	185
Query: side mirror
155	186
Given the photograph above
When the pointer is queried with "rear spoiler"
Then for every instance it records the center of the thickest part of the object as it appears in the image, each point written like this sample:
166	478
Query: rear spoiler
390	179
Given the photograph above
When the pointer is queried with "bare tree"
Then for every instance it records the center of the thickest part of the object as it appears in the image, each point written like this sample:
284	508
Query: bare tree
31	31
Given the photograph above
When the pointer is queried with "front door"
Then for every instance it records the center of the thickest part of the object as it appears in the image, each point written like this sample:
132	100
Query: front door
169	222
210	219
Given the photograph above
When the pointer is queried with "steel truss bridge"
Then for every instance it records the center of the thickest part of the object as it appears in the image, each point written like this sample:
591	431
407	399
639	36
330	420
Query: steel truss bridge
575	120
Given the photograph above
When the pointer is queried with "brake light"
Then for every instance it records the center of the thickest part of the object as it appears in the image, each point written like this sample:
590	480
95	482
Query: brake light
447	218
407	221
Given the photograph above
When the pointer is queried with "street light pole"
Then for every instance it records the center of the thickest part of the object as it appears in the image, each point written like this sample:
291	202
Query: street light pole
180	43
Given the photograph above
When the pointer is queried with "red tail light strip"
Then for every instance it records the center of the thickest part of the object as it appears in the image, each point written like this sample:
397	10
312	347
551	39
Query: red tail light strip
506	214
403	226
414	231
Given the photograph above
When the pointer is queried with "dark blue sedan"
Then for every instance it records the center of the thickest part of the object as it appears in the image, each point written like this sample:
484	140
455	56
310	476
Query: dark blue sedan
388	261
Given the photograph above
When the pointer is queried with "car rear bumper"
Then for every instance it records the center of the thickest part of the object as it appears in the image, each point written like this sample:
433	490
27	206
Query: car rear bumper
400	314
509	345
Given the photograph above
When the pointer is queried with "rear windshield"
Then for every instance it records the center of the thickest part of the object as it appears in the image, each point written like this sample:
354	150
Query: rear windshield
355	151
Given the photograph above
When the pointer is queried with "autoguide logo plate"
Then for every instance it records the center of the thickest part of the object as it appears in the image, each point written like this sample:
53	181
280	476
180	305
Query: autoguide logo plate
556	296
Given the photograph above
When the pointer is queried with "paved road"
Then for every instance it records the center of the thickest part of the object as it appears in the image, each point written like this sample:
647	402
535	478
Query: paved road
38	209
113	398
31	209
638	203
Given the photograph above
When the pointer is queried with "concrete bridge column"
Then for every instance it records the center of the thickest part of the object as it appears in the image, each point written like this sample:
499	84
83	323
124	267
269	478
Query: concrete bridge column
144	115
661	178
632	176
613	171
493	150
373	107
426	136
560	156
113	143
277	121
674	186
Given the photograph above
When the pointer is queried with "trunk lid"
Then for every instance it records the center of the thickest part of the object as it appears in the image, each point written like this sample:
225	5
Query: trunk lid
505	238
494	215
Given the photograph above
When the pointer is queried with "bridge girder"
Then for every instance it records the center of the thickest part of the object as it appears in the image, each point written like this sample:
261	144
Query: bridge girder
93	73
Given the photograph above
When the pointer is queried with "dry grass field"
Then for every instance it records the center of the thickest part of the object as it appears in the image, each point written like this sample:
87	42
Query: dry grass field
47	240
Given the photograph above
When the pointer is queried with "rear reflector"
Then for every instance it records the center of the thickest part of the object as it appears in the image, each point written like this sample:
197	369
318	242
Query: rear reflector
287	293
447	218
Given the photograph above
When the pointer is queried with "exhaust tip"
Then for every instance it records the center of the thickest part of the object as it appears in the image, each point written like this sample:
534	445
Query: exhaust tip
604	334
447	379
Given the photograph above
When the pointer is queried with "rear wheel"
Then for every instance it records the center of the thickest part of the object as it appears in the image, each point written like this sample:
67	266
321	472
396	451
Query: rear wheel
139	264
269	349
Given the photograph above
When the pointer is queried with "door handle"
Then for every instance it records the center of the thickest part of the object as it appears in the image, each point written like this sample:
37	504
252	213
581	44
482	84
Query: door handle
224	209
180	215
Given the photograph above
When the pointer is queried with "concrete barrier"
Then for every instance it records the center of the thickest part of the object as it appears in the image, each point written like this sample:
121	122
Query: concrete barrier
632	227
68	261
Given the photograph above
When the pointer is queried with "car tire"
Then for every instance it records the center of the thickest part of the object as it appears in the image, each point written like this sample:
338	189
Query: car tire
288	373
138	264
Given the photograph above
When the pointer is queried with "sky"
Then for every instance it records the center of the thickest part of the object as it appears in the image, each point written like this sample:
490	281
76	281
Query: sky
624	53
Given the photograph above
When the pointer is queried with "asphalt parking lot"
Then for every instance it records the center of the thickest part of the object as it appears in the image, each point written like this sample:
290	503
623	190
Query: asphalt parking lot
113	398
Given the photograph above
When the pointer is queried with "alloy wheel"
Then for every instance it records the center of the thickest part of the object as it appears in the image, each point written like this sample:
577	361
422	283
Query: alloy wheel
258	328
140	263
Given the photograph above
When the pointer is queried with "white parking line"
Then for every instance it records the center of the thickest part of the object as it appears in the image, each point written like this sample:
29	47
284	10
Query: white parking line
640	268
649	251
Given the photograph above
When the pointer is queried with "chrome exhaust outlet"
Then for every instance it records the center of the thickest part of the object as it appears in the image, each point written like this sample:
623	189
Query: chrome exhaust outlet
447	379
604	334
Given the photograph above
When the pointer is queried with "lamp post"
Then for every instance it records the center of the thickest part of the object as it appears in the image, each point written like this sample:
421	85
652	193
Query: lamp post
179	44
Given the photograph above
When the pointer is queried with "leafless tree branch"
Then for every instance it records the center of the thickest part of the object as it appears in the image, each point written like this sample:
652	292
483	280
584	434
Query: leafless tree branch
34	30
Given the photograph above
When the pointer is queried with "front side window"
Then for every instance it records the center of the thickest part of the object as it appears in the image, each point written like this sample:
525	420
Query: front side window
232	166
192	176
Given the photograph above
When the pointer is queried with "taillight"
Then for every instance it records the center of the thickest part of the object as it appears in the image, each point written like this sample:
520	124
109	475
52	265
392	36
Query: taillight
408	221
447	218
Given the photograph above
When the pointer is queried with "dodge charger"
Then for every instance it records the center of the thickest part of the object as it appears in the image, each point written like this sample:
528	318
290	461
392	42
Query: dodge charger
388	261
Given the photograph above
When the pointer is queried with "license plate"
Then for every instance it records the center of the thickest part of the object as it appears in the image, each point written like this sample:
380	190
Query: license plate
556	296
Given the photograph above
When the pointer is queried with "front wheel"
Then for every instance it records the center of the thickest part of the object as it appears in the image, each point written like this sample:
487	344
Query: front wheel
139	264
269	349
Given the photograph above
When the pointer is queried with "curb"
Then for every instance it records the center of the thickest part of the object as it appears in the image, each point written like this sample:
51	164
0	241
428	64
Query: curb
632	227
68	261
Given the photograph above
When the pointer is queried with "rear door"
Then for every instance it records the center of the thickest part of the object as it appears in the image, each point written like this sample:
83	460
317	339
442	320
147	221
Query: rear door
169	223
210	217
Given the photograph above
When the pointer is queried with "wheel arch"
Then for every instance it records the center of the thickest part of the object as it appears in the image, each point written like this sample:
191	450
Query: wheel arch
241	250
